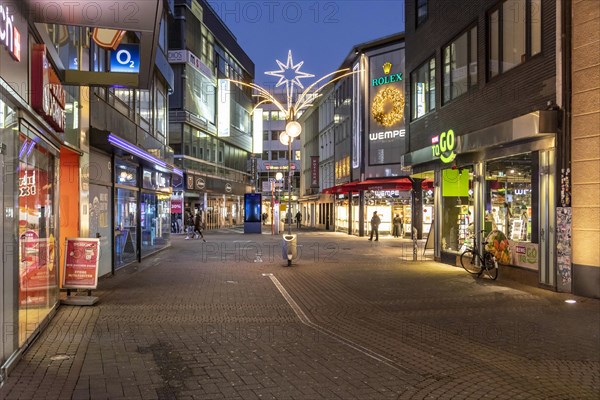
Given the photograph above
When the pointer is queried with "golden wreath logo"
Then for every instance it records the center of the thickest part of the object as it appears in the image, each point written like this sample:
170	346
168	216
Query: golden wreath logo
388	106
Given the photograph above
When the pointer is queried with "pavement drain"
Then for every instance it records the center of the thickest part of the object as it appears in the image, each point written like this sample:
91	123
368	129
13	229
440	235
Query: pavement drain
60	357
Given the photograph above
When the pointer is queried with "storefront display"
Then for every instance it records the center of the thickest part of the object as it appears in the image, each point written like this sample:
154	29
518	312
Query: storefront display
458	210
155	210
38	276
125	227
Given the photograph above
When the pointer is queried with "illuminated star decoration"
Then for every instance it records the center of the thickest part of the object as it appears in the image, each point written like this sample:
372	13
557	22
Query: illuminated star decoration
283	74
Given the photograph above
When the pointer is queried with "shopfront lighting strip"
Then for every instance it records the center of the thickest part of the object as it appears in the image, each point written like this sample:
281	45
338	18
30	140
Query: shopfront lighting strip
177	171
124	145
23	147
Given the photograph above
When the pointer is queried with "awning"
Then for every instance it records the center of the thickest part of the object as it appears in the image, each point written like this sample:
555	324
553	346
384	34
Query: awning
381	184
371	184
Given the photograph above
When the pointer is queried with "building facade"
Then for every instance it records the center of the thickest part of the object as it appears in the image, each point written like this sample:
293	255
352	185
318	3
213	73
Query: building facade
273	160
483	126
52	67
582	183
210	126
361	143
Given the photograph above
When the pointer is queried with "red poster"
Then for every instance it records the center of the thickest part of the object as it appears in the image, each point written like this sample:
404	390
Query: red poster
176	206
81	263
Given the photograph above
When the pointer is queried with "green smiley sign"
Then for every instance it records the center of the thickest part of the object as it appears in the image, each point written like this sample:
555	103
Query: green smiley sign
443	146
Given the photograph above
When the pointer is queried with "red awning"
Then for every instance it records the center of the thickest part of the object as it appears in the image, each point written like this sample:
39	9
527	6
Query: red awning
427	184
381	184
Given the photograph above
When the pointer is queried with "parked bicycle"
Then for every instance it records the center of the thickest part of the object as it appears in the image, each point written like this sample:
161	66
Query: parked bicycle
476	262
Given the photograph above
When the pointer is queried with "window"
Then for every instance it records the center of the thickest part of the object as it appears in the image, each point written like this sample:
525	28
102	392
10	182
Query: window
265	135
515	34
460	65
297	155
265	155
421	12
423	89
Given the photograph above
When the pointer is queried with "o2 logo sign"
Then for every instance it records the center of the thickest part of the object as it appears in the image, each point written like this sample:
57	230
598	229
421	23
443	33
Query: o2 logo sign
443	146
126	58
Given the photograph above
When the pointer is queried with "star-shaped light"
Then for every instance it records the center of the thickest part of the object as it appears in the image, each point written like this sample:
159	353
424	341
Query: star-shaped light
289	83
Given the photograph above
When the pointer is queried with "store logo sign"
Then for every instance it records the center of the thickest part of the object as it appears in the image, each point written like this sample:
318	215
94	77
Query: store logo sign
444	146
384	80
126	58
228	188
10	37
48	94
397	133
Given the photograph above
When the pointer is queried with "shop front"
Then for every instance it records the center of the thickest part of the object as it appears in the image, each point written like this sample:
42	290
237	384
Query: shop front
219	203
500	181
31	121
142	211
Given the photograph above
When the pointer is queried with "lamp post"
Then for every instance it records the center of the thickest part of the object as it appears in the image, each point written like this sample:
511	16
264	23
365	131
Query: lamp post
278	177
292	130
289	74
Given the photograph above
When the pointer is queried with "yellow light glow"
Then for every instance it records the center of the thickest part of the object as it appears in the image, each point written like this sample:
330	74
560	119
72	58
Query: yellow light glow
389	96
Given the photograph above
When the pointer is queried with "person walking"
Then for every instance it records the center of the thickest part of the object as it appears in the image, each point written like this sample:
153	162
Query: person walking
298	219
397	226
375	221
189	225
198	228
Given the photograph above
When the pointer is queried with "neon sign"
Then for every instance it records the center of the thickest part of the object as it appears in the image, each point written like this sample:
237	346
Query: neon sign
10	37
443	146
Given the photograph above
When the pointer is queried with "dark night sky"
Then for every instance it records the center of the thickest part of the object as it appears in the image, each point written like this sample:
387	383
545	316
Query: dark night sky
320	33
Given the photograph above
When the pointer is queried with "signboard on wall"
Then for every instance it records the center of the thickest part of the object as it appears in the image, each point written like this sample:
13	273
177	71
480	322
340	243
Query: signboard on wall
386	128
81	263
126	58
48	94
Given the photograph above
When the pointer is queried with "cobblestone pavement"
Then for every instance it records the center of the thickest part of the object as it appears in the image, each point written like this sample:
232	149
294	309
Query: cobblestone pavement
350	320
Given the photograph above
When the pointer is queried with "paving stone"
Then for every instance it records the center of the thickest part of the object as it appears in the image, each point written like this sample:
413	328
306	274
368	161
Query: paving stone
185	326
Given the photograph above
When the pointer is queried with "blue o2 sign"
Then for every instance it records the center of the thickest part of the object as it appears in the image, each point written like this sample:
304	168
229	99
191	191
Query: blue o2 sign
126	58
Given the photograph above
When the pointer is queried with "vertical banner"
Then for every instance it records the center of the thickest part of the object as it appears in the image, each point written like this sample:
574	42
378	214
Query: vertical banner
257	131
81	263
357	120
224	108
386	108
314	171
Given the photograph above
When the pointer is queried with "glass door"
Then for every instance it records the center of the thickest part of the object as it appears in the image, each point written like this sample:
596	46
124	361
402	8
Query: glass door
126	249
100	226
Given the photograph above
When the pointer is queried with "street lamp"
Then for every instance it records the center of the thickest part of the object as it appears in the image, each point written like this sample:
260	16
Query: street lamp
289	74
292	130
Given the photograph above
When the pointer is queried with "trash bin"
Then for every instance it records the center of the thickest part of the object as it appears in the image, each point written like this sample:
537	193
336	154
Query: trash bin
289	249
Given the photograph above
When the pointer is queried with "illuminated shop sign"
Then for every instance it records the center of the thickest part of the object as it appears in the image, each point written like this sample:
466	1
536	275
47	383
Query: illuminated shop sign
383	80
48	94
444	146
10	37
126	58
386	97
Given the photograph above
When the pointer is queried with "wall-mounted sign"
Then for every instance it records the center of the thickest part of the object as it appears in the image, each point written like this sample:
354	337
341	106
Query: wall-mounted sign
186	56
189	182
156	180
314	171
199	184
386	116
444	146
224	108
47	94
388	78
10	37
126	58
228	188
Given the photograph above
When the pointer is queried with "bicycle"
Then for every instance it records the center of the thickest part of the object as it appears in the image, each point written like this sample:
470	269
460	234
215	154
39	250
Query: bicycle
476	263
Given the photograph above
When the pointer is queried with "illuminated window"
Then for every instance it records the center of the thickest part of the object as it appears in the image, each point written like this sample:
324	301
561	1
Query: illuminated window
515	34
423	89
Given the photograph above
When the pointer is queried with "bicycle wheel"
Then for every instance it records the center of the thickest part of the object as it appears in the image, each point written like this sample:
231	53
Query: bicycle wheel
468	260
491	266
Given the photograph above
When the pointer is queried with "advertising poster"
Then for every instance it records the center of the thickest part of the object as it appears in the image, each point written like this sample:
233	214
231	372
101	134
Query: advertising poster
386	135
524	254
81	263
564	247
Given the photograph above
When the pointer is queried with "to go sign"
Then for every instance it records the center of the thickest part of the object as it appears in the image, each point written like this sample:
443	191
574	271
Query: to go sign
444	146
